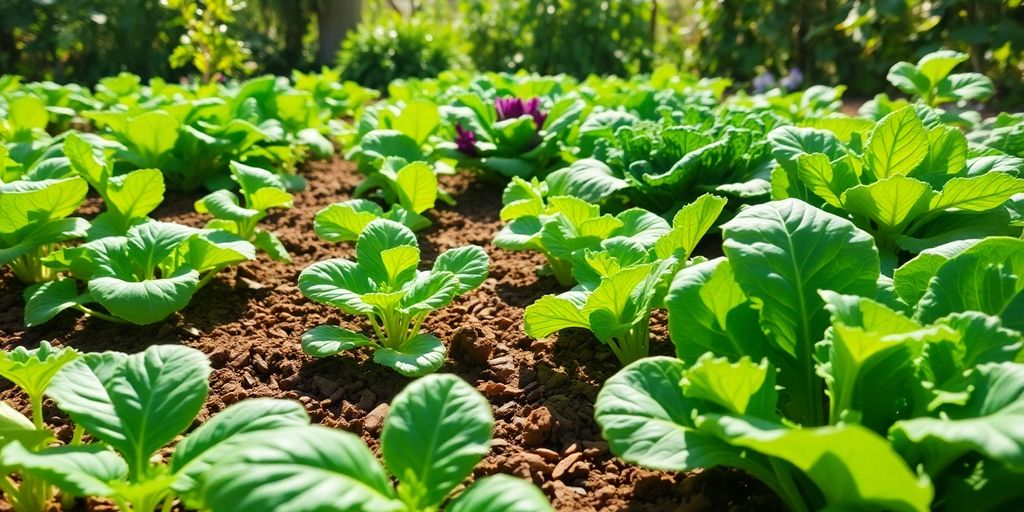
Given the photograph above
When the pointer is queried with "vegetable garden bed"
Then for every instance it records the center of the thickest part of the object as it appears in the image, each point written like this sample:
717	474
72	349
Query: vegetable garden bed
542	392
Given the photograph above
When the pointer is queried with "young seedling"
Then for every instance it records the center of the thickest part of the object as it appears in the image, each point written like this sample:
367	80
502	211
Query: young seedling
385	286
438	428
622	282
930	79
261	190
32	371
141	278
135	405
35	222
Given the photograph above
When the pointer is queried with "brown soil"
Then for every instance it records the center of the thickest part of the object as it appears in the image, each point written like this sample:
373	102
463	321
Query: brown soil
249	321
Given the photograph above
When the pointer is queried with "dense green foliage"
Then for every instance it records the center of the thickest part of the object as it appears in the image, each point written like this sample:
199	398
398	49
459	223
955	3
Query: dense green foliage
376	54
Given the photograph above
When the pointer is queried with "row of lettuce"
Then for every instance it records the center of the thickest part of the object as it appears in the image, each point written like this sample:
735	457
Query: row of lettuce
859	343
857	346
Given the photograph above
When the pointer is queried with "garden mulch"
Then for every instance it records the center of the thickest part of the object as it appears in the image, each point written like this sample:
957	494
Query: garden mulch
250	318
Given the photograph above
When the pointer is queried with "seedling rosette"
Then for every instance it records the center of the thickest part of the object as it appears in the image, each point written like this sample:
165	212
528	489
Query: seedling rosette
385	286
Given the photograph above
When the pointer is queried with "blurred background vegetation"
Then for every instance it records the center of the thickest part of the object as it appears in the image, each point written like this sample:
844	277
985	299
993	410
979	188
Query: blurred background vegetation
375	41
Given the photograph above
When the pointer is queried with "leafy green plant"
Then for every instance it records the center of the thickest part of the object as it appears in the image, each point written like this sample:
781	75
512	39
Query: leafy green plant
36	221
559	226
800	364
438	428
911	185
141	278
135	405
385	286
513	137
930	80
375	55
622	282
399	129
32	371
129	198
261	190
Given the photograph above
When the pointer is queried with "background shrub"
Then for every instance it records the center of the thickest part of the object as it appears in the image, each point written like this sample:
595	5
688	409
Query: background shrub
375	54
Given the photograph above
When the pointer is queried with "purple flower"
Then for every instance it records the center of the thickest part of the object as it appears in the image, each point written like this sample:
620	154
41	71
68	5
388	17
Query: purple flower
792	81
763	82
465	142
511	108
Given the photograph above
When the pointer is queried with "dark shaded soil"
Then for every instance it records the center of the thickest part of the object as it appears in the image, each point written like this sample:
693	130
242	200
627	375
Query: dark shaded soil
250	318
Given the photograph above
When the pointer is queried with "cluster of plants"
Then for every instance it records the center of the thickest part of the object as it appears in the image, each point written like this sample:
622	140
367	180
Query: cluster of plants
259	453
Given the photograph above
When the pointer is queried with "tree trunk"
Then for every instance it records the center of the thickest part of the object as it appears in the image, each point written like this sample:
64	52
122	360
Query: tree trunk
336	18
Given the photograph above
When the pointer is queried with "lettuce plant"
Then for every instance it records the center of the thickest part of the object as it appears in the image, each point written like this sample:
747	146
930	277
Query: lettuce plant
559	226
129	198
438	428
621	283
514	137
261	190
393	130
141	278
32	371
803	366
930	80
385	286
35	222
135	405
910	185
411	188
663	165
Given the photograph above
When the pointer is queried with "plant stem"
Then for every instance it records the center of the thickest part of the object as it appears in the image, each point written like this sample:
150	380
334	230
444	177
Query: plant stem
786	488
37	411
97	314
562	270
209	276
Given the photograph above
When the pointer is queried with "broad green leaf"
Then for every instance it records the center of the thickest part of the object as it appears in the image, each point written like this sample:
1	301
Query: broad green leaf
270	197
521	234
851	465
419	119
269	243
892	202
32	370
897	145
400	264
136	194
15	428
708	313
135	403
783	252
84	160
226	432
826	181
551	313
223	204
790	142
616	291
640	226
647	420
437	430
214	249
911	279
989	424
338	283
978	193
429	292
300	469
329	340
500	493
376	237
29	202
588	179
390	143
44	301
345	221
153	134
689	226
25	114
574	209
985	278
947	155
420	355
469	264
80	470
965	86
417	187
742	388
937	65
907	78
145	302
